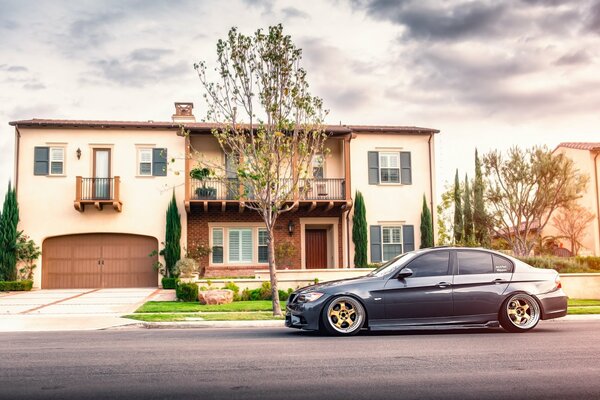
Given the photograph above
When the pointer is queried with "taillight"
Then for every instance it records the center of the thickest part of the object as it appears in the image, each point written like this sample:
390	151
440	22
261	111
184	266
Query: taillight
557	282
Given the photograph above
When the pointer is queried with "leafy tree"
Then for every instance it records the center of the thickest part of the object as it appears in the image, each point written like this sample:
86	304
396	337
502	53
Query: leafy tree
172	251
480	218
525	188
9	235
571	222
359	231
426	226
458	218
467	213
271	127
444	217
27	253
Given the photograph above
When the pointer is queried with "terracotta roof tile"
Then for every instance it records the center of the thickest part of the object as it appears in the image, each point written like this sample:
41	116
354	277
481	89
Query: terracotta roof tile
581	145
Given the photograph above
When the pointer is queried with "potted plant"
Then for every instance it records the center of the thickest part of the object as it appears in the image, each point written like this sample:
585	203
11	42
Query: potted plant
203	192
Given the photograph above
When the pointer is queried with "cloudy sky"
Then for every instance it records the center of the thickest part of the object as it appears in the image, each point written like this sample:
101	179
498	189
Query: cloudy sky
488	74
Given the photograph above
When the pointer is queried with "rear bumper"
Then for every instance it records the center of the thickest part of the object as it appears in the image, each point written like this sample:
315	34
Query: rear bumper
554	304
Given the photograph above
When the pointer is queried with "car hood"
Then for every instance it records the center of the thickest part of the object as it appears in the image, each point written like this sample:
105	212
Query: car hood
325	286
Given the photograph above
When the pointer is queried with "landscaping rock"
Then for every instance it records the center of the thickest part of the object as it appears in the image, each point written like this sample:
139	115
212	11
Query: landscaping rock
222	296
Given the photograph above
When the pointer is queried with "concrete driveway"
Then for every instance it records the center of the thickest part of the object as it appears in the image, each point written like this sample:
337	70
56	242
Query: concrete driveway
71	309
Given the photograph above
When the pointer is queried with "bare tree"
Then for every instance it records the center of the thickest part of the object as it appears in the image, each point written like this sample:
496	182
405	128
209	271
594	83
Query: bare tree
525	188
571	222
270	126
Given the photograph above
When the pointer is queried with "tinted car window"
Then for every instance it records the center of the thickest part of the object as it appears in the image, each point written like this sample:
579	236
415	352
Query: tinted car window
502	264
430	264
474	262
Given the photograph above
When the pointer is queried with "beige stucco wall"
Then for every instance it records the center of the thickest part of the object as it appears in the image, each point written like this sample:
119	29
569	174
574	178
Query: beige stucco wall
46	202
584	162
391	204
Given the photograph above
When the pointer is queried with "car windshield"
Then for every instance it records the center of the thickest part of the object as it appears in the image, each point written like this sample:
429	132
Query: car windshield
392	264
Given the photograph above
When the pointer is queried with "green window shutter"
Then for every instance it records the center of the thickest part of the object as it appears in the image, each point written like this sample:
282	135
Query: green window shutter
373	168
408	235
405	167
41	163
159	162
375	240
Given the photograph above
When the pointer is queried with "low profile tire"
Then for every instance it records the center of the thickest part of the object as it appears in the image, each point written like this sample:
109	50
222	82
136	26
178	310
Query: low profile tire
343	316
520	313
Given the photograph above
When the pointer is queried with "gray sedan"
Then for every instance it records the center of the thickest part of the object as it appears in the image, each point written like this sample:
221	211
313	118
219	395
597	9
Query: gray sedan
439	288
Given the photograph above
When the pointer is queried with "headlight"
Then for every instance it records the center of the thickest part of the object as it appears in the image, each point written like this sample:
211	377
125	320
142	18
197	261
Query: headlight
307	297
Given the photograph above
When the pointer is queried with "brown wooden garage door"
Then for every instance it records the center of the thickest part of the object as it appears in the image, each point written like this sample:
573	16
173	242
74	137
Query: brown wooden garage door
98	260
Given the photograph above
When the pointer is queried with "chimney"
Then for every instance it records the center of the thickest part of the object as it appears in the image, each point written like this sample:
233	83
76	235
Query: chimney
183	113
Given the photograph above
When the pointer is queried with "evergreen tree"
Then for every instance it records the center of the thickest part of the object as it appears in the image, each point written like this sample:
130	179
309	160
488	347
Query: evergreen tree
426	226
172	251
480	219
467	213
9	220
359	231
458	218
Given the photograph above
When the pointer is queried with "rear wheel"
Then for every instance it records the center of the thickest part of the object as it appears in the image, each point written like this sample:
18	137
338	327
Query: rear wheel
519	313
343	315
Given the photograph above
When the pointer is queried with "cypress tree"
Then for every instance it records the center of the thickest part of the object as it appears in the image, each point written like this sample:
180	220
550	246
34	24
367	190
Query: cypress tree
426	226
172	251
467	213
479	215
9	219
458	219
359	231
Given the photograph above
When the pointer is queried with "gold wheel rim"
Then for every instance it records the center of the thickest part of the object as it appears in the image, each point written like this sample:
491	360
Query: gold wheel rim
344	315
522	311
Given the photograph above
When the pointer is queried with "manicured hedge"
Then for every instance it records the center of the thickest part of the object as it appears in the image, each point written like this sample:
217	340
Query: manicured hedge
562	265
15	286
187	291
170	283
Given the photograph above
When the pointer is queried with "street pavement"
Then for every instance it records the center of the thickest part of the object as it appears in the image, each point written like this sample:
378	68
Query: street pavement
557	360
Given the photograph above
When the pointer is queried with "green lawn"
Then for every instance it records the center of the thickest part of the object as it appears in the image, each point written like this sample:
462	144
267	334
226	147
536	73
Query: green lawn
584	306
583	302
179	306
209	316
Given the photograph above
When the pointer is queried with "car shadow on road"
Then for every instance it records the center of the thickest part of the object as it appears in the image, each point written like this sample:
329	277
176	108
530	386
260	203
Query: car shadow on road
425	332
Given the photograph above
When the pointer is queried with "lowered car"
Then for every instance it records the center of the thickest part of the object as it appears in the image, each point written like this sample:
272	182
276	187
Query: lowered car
438	288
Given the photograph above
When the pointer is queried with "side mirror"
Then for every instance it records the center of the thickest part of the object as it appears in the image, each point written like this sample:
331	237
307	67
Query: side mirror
404	273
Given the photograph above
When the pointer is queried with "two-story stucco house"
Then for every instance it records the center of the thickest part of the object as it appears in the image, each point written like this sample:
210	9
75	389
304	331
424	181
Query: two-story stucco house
94	195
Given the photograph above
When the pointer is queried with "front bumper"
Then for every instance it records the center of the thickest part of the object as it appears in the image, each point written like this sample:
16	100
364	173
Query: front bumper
554	304
304	315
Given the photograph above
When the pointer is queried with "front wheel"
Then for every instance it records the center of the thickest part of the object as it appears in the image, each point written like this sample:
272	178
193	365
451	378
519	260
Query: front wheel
519	313
343	315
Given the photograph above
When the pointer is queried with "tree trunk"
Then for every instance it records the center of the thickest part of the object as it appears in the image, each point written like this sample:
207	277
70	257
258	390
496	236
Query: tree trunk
273	274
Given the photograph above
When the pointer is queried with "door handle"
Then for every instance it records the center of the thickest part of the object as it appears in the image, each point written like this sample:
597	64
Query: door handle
499	280
443	284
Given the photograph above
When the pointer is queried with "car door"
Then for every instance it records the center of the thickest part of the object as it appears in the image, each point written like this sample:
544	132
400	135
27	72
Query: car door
424	296
479	282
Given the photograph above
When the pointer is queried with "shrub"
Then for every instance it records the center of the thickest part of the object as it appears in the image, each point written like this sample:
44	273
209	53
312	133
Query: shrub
186	267
234	288
170	283
187	292
562	265
263	293
16	286
590	262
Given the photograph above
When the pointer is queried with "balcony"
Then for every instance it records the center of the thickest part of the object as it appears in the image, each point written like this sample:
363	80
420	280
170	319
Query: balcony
97	192
311	192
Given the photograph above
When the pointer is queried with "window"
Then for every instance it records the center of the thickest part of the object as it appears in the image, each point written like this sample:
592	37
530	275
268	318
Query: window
240	245
391	241
430	264
502	264
474	262
318	167
152	162
217	245
389	167
263	251
49	161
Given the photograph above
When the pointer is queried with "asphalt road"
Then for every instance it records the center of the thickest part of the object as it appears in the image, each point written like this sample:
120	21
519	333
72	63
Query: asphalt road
558	360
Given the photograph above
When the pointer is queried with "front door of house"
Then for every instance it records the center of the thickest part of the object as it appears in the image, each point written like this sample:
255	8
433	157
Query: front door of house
316	248
101	181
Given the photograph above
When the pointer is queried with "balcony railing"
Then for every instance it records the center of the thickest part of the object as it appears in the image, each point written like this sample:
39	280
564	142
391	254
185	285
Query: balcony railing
230	189
97	191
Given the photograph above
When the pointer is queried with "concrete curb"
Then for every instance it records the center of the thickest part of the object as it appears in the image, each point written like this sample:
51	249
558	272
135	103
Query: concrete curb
213	324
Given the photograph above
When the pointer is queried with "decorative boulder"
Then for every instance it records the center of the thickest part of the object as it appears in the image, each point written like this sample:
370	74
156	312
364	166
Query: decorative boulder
222	296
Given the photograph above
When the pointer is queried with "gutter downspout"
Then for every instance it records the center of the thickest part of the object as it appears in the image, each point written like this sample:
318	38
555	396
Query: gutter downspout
348	235
16	171
431	188
596	182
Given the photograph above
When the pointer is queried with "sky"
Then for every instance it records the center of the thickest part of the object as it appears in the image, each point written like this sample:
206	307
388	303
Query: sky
487	74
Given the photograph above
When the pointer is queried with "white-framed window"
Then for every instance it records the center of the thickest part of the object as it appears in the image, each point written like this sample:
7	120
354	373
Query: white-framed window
389	167
145	162
240	245
57	160
318	166
263	250
391	241
217	245
49	160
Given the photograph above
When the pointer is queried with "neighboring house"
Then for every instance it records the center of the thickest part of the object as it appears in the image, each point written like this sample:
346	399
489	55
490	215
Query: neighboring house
94	195
585	157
